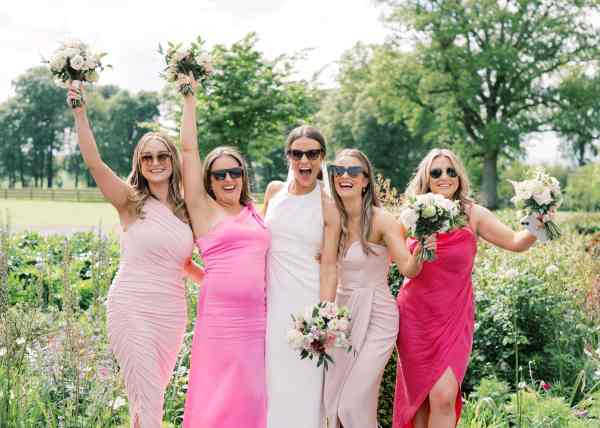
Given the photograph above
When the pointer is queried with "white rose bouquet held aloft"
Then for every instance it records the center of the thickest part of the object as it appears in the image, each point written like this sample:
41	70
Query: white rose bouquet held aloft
183	62
540	197
74	61
319	328
424	215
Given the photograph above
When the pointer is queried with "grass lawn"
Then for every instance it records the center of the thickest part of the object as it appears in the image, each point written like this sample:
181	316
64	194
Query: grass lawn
49	216
60	217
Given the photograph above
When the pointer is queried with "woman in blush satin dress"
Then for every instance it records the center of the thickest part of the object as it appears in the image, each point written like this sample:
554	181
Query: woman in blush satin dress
303	222
437	308
227	387
146	302
370	238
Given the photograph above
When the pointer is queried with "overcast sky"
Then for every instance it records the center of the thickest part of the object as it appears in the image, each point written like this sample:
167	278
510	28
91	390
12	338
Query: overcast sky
130	31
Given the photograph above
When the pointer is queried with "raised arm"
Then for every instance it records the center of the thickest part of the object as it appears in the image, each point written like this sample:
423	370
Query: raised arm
114	189
395	240
199	203
329	249
490	228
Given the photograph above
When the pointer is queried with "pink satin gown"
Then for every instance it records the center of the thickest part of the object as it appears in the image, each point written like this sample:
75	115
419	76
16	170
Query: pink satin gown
147	310
227	384
436	324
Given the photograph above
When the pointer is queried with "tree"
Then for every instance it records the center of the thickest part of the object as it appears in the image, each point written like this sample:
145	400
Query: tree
491	67
40	106
578	119
361	114
251	103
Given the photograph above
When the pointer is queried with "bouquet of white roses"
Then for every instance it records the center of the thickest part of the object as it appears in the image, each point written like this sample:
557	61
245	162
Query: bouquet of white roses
183	62
75	62
319	328
540	197
424	215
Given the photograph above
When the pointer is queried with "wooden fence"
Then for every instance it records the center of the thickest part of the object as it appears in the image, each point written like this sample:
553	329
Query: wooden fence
68	195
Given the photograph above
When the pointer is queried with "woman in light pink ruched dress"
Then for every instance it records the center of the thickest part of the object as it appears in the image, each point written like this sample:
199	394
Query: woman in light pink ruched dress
437	308
146	302
370	238
227	385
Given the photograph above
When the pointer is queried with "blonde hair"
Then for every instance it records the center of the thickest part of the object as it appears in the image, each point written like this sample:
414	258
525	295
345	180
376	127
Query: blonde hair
370	199
419	184
139	184
232	152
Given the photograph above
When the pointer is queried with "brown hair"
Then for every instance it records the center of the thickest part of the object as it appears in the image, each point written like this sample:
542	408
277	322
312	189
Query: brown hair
370	199
139	184
215	154
419	184
307	131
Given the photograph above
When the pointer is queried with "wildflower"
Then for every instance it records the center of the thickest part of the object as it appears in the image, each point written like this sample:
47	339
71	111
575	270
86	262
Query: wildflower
551	269
2	352
545	386
20	341
119	402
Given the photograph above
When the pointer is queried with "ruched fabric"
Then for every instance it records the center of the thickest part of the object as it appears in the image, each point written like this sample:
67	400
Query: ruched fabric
146	308
353	380
436	324
227	387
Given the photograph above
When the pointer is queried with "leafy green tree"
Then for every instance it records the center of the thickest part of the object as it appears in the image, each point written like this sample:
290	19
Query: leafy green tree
360	114
14	165
42	111
578	119
489	70
250	103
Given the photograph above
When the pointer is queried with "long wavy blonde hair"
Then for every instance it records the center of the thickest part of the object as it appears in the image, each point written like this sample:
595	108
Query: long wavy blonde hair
419	184
370	199
141	189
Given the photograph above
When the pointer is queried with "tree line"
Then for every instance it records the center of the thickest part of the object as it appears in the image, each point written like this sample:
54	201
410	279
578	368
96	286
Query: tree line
479	76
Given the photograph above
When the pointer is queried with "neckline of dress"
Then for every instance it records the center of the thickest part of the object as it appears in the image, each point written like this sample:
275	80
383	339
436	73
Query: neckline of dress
358	242
304	195
228	219
169	210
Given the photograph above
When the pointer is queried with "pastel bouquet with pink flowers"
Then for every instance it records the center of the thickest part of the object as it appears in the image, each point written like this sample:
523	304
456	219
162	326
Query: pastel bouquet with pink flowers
540	197
184	63
75	62
319	328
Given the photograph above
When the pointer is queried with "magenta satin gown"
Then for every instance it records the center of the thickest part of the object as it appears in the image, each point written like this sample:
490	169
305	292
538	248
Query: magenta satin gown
147	310
227	384
436	324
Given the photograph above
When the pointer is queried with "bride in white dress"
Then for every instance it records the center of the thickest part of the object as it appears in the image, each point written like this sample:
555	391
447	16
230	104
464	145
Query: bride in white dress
304	223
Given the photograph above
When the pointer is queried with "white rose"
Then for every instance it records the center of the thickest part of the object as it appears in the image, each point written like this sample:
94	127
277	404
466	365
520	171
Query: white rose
409	218
295	339
77	62
90	63
58	62
179	55
71	52
544	197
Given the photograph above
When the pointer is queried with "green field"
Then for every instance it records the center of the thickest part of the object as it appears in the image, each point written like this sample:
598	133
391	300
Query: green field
63	217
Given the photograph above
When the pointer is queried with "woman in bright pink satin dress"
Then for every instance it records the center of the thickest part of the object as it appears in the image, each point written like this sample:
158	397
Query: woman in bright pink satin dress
227	382
436	307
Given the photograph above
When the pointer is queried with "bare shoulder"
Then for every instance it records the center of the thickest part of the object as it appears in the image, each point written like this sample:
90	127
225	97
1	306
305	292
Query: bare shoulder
331	213
272	188
383	217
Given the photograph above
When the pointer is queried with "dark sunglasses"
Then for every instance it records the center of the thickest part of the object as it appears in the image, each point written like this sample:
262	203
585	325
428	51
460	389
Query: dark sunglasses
437	172
310	154
161	158
353	171
221	174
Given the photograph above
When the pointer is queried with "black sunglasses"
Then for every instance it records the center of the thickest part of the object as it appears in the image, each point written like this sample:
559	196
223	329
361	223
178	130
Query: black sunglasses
353	171
221	174
310	154
437	172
